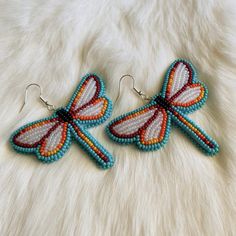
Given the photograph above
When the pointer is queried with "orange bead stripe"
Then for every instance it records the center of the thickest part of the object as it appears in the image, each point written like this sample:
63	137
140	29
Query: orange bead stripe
170	81
36	125
134	115
79	94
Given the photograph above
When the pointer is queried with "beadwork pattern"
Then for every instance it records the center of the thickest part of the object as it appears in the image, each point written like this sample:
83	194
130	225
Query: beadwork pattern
149	126
51	137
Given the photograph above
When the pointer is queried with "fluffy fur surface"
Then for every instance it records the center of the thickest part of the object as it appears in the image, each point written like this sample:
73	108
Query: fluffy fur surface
173	191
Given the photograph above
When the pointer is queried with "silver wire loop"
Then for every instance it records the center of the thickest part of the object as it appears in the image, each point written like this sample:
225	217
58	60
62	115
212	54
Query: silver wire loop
49	106
139	92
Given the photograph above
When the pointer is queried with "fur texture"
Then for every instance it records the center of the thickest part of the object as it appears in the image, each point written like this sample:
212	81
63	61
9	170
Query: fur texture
173	191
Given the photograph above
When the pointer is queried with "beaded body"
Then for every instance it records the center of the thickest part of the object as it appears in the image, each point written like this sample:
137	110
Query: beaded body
149	126
65	115
163	102
51	137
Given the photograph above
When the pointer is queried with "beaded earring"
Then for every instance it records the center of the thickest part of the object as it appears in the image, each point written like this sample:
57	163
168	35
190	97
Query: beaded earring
51	137
149	126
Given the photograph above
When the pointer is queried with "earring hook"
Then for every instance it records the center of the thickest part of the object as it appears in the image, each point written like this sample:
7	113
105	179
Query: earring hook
139	92
49	106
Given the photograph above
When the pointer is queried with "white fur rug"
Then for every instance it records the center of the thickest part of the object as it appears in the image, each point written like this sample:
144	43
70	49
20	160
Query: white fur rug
174	191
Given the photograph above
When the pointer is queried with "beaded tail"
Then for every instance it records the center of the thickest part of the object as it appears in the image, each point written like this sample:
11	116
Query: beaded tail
204	141
93	147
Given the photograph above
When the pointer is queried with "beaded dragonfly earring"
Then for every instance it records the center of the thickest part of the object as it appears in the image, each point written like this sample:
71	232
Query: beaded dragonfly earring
149	126
51	137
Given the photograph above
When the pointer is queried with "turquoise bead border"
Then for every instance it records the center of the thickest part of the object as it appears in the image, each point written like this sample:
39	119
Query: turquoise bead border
69	138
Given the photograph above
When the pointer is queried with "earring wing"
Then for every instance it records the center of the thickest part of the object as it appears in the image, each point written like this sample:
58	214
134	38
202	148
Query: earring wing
89	105
181	87
48	139
147	126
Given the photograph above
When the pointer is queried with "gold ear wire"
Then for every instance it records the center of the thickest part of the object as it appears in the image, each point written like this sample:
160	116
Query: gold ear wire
139	92
49	106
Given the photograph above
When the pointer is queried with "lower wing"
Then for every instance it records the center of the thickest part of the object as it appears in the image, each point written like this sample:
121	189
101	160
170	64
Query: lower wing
94	113
147	126
48	139
190	98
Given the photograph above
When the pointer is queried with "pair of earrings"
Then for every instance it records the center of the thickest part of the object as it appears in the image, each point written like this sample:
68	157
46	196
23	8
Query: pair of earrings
148	126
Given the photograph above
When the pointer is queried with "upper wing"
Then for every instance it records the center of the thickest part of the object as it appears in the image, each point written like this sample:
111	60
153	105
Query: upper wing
47	138
147	127
181	87
89	104
31	135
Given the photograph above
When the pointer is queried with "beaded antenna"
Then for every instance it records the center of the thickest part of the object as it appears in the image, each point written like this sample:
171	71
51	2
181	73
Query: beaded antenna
50	138
149	126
